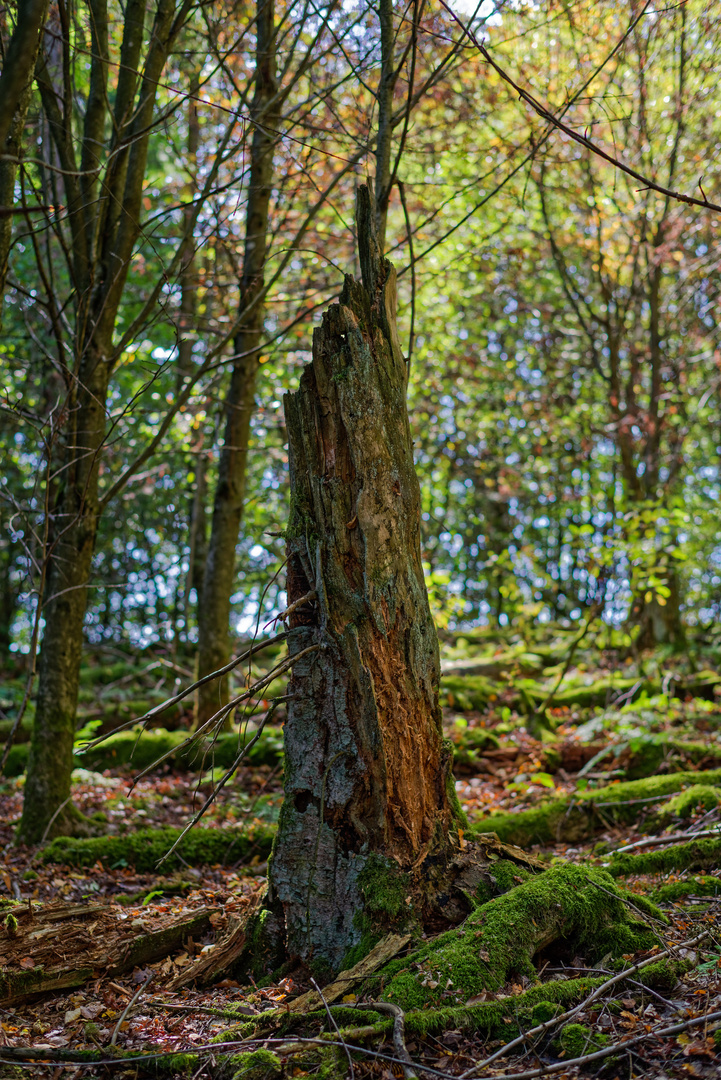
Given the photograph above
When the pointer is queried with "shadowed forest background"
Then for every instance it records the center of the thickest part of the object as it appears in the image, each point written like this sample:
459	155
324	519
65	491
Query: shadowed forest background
184	187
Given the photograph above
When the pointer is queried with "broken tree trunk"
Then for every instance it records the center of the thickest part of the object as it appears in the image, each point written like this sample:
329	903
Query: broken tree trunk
368	787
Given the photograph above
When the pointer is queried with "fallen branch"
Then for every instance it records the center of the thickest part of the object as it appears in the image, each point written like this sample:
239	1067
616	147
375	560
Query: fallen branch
91	1058
399	1039
673	838
128	1007
613	1048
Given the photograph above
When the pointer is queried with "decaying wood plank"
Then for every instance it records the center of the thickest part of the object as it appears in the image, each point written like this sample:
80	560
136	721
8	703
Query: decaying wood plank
219	959
68	950
384	951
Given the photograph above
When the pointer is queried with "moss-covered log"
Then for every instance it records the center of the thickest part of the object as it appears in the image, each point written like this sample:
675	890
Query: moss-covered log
702	854
144	848
579	816
136	749
69	943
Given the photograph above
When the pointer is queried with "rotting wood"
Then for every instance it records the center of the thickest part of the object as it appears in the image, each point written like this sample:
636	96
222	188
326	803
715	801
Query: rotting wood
220	957
67	947
367	773
379	955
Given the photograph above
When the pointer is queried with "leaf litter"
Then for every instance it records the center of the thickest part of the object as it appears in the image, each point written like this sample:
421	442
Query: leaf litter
93	919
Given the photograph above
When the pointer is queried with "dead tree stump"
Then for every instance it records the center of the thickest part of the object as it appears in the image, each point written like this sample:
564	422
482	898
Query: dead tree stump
367	778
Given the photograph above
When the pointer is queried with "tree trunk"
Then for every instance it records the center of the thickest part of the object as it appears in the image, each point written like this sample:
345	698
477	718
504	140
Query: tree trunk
15	92
367	776
72	542
219	577
101	269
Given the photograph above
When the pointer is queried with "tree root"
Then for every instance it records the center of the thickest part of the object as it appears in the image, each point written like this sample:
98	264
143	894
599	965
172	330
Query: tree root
500	939
399	1041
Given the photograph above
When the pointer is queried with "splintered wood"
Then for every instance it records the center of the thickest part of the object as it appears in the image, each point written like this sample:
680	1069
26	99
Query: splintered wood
59	946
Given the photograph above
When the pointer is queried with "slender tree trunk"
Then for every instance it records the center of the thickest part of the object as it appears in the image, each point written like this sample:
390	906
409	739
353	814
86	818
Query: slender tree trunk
76	508
15	92
219	576
367	776
47	789
384	140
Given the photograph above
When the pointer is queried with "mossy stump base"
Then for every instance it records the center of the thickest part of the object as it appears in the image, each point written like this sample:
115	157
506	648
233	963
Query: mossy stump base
436	895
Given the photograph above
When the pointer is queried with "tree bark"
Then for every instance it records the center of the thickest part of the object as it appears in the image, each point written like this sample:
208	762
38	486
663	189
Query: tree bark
72	542
219	576
366	771
76	506
15	93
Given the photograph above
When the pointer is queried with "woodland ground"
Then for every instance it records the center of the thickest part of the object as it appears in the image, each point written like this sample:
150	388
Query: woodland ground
651	719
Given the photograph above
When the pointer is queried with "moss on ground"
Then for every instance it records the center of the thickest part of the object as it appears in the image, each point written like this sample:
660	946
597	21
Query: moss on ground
703	854
256	1065
577	817
498	941
704	885
469	692
687	803
143	849
575	1040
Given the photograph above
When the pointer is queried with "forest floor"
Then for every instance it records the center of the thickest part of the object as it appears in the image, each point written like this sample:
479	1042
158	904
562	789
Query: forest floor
652	720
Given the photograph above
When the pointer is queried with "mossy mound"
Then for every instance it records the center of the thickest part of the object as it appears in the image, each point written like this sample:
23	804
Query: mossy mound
467	692
703	885
582	907
698	797
703	854
144	849
575	1040
256	1065
576	817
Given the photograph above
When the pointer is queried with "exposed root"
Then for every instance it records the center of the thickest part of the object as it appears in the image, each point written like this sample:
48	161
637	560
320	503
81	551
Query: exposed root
500	939
399	1040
